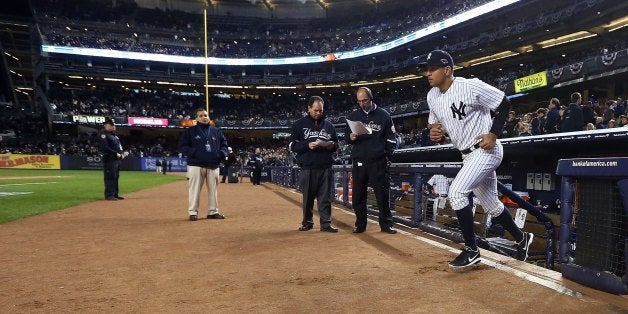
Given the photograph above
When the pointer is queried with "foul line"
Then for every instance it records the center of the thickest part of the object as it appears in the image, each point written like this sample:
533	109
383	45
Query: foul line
523	275
34	183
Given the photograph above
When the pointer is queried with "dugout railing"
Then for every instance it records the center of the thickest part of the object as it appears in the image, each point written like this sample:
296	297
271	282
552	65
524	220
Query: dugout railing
413	207
593	246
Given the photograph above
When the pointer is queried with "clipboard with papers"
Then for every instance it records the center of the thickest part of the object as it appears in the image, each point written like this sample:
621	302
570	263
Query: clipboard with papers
358	127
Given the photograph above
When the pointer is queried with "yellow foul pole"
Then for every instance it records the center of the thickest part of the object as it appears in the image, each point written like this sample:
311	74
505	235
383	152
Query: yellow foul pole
206	66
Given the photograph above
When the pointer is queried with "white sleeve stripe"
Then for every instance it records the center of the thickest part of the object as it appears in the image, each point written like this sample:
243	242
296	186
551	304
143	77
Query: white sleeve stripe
391	141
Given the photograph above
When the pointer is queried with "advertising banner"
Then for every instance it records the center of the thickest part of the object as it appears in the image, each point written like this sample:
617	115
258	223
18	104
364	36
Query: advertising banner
175	164
531	82
88	119
19	161
75	162
81	162
148	121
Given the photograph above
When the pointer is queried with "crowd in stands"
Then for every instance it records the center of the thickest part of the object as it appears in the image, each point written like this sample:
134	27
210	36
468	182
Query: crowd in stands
22	123
127	27
152	30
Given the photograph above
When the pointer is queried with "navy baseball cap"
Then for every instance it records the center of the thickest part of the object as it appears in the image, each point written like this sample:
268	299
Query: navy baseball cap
438	58
109	121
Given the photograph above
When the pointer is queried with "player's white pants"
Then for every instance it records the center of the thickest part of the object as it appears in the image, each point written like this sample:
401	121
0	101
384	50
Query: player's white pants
478	175
197	177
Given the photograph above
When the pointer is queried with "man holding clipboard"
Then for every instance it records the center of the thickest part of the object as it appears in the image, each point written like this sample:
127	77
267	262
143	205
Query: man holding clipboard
314	140
373	138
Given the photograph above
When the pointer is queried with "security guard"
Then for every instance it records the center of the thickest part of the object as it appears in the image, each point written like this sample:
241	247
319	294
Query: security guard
112	158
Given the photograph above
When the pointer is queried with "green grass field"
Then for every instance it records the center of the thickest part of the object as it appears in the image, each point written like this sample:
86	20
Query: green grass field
63	188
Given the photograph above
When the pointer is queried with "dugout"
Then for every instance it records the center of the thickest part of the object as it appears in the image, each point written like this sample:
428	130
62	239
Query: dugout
593	247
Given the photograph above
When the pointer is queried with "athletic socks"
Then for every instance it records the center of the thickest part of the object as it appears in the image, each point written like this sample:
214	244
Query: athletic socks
465	220
505	219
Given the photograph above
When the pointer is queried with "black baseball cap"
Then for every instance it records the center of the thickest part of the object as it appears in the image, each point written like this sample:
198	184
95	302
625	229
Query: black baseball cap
437	58
109	121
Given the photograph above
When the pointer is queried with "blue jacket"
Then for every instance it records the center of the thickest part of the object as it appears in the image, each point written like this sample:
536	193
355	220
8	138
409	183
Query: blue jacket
380	143
307	130
193	144
110	146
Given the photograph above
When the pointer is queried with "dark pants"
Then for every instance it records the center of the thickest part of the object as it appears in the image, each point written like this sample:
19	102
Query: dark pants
257	176
112	174
225	173
377	174
316	183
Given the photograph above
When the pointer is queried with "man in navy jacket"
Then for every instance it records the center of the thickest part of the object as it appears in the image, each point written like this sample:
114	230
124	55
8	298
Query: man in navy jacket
370	155
205	147
314	140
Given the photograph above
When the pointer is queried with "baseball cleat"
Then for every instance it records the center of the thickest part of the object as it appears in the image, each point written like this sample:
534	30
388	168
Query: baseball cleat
466	258
193	217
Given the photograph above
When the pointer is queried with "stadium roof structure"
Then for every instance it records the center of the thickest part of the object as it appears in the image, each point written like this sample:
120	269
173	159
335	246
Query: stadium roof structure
278	8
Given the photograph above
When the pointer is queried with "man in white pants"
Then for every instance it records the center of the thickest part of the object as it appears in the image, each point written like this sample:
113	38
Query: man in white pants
205	147
462	108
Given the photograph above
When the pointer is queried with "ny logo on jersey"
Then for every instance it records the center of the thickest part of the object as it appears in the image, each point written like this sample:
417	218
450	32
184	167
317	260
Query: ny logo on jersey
458	110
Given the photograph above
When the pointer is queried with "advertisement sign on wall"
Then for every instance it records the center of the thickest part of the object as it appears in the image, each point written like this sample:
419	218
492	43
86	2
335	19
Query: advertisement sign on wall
20	161
148	121
88	119
175	164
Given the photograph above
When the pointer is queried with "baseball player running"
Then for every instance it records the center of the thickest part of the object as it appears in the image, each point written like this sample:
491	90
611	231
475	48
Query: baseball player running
462	108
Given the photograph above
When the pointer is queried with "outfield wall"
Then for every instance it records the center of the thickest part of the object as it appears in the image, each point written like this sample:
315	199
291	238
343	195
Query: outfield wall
21	161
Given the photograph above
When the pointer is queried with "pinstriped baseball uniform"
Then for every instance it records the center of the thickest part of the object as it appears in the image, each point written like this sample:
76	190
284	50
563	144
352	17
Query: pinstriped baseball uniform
464	112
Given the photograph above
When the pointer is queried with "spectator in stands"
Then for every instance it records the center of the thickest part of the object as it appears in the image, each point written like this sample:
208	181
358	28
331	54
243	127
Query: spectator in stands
425	138
538	123
588	115
611	124
553	116
607	111
511	124
524	130
620	107
205	147
599	123
572	117
314	140
623	120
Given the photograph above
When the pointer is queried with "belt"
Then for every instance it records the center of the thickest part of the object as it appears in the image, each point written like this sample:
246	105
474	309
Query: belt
470	149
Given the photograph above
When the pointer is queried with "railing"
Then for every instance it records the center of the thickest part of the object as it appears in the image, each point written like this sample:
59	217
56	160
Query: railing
411	205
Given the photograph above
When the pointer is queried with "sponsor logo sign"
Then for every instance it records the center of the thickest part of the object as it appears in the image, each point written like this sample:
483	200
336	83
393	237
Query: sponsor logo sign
21	161
148	121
